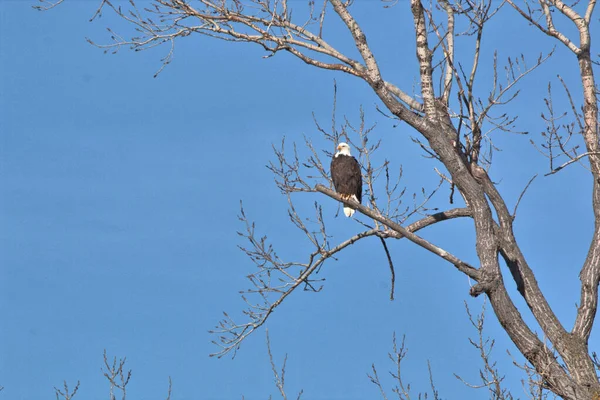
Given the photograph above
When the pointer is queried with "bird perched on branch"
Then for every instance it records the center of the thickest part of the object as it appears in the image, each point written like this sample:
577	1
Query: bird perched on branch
346	176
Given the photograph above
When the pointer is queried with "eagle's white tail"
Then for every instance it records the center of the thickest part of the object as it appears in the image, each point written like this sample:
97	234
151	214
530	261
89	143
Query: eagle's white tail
348	212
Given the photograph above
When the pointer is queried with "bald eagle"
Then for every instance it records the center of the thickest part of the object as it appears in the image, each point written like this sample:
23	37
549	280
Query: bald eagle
346	176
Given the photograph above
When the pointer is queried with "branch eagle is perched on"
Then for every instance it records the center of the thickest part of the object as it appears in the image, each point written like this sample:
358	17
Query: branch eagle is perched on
346	176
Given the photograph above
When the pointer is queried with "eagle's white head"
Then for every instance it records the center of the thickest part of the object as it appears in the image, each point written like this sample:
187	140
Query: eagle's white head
343	149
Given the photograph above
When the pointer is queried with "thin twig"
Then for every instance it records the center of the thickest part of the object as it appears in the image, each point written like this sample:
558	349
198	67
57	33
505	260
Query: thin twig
391	264
573	160
514	214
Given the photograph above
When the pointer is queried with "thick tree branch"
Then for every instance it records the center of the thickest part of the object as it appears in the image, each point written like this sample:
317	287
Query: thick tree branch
412	103
448	51
589	11
424	57
459	264
360	40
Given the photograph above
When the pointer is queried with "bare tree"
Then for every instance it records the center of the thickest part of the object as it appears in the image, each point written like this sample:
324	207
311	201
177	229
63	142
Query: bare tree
279	374
66	394
116	375
456	130
401	389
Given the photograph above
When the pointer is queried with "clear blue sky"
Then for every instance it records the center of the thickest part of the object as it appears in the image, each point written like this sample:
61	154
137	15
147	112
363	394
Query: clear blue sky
119	197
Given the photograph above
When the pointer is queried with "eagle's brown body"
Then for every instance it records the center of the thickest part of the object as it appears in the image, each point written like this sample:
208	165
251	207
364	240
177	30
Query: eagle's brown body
346	176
